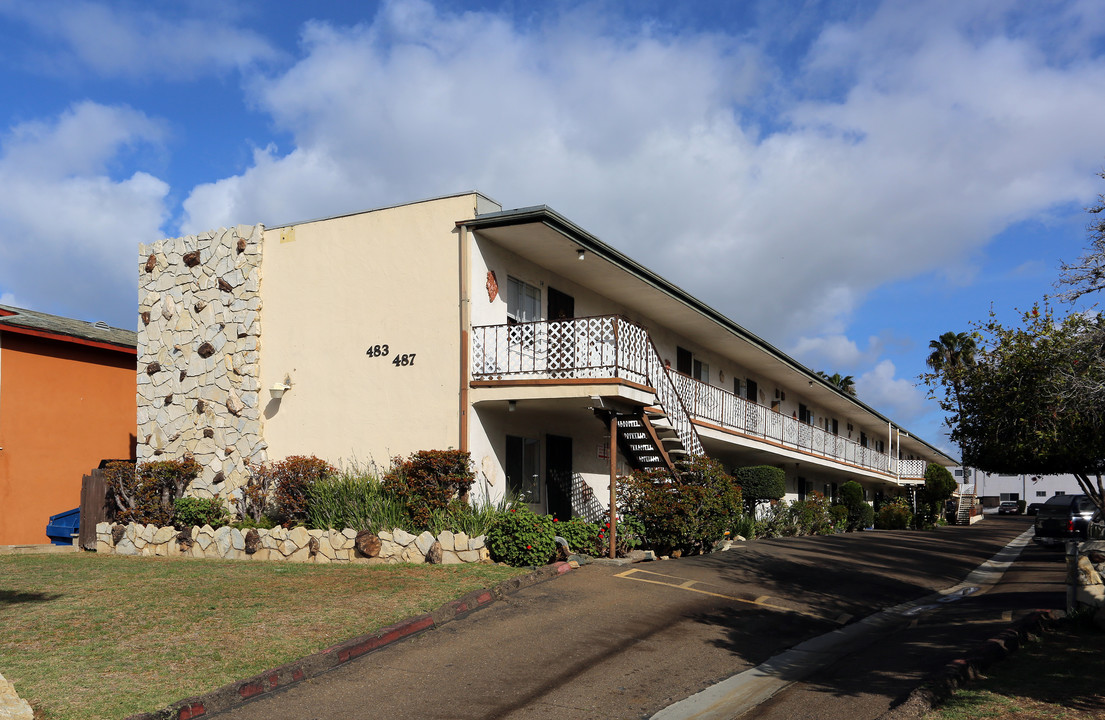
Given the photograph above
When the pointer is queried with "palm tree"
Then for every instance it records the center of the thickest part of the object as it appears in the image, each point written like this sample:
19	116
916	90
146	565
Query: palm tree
952	354
847	383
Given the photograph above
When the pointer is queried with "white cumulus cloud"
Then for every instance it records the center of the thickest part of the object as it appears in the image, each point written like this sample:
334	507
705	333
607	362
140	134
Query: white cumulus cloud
900	399
125	39
68	230
940	130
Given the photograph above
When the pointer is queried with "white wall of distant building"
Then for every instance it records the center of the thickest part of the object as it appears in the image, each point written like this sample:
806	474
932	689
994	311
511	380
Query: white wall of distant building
992	488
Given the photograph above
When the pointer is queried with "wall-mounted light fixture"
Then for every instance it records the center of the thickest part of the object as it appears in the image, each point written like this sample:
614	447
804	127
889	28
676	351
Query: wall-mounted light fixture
277	391
581	253
511	405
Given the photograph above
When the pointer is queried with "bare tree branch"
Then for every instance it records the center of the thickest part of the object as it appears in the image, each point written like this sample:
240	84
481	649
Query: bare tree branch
1087	274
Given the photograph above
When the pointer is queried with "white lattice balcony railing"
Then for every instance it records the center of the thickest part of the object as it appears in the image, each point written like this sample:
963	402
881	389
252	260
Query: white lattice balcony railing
583	348
721	407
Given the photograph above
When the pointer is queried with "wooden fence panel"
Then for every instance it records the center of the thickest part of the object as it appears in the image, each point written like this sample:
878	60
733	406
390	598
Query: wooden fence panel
93	507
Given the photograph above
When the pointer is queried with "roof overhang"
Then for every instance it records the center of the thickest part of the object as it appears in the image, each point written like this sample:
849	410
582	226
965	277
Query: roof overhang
548	239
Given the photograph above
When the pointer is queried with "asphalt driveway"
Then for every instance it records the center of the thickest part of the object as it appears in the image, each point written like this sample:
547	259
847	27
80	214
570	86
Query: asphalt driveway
626	641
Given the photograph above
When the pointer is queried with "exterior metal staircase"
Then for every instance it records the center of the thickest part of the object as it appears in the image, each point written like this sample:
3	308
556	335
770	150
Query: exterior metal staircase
643	443
963	510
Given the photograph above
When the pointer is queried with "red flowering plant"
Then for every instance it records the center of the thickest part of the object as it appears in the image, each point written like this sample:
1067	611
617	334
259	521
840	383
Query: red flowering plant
521	538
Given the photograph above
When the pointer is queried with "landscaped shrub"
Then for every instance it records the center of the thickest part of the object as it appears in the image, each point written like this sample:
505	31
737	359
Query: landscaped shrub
582	536
939	486
146	493
520	538
840	517
867	516
760	483
428	481
630	535
776	520
688	511
255	501
189	511
860	513
813	516
894	515
291	481
355	500
744	526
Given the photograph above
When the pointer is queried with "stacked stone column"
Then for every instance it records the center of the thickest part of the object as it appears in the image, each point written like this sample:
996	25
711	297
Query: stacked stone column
198	354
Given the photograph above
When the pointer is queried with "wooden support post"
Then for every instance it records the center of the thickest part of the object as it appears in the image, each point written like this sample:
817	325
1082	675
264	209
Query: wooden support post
613	483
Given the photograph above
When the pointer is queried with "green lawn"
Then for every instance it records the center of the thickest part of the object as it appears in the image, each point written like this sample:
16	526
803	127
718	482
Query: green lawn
1061	676
83	636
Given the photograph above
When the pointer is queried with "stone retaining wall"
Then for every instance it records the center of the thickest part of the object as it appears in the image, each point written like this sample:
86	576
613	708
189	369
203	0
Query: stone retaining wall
1084	576
296	545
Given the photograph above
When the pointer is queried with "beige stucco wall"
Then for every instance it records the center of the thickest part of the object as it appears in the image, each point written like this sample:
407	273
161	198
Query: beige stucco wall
337	287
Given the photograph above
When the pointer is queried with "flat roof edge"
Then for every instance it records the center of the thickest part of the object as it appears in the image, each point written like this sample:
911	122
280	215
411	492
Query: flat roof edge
383	207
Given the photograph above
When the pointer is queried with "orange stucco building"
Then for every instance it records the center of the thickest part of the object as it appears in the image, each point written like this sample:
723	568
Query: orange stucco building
67	400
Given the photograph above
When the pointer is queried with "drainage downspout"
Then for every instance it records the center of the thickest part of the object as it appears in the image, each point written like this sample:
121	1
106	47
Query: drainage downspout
465	331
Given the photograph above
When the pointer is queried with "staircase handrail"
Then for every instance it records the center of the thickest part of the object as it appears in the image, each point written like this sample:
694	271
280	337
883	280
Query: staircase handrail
671	401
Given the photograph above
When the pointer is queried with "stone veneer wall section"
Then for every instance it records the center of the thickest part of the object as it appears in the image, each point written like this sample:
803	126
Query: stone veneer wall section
198	354
296	545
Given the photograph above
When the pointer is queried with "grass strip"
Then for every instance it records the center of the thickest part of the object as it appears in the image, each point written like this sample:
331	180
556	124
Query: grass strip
1058	676
86	636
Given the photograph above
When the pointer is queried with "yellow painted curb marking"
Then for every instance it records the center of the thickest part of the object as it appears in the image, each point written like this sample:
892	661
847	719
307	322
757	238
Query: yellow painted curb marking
685	584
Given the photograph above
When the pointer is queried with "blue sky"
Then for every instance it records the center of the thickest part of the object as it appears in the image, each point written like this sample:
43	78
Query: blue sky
848	180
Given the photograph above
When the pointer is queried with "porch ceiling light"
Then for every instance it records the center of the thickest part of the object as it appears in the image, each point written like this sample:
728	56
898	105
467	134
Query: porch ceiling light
581	253
511	405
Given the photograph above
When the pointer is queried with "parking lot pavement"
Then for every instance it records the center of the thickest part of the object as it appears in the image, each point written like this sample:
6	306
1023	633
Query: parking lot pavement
609	641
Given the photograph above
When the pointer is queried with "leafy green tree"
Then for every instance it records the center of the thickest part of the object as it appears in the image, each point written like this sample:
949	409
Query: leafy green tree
1034	402
939	486
760	483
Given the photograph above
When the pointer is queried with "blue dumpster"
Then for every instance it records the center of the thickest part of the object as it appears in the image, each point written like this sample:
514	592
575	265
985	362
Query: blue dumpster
63	526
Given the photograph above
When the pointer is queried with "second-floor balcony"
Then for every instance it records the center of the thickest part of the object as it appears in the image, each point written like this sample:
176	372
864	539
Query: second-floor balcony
733	413
615	348
584	348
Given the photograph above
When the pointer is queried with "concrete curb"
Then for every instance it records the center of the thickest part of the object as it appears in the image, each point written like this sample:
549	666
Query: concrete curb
314	665
941	684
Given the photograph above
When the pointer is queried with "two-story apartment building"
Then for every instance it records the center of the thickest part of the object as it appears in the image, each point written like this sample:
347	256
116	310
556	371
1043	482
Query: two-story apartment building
516	335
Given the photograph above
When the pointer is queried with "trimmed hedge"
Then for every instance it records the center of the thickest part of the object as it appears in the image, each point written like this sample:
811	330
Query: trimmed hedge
758	483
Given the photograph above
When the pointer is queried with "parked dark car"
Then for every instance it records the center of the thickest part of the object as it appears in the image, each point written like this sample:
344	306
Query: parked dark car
1064	517
1008	507
1033	508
